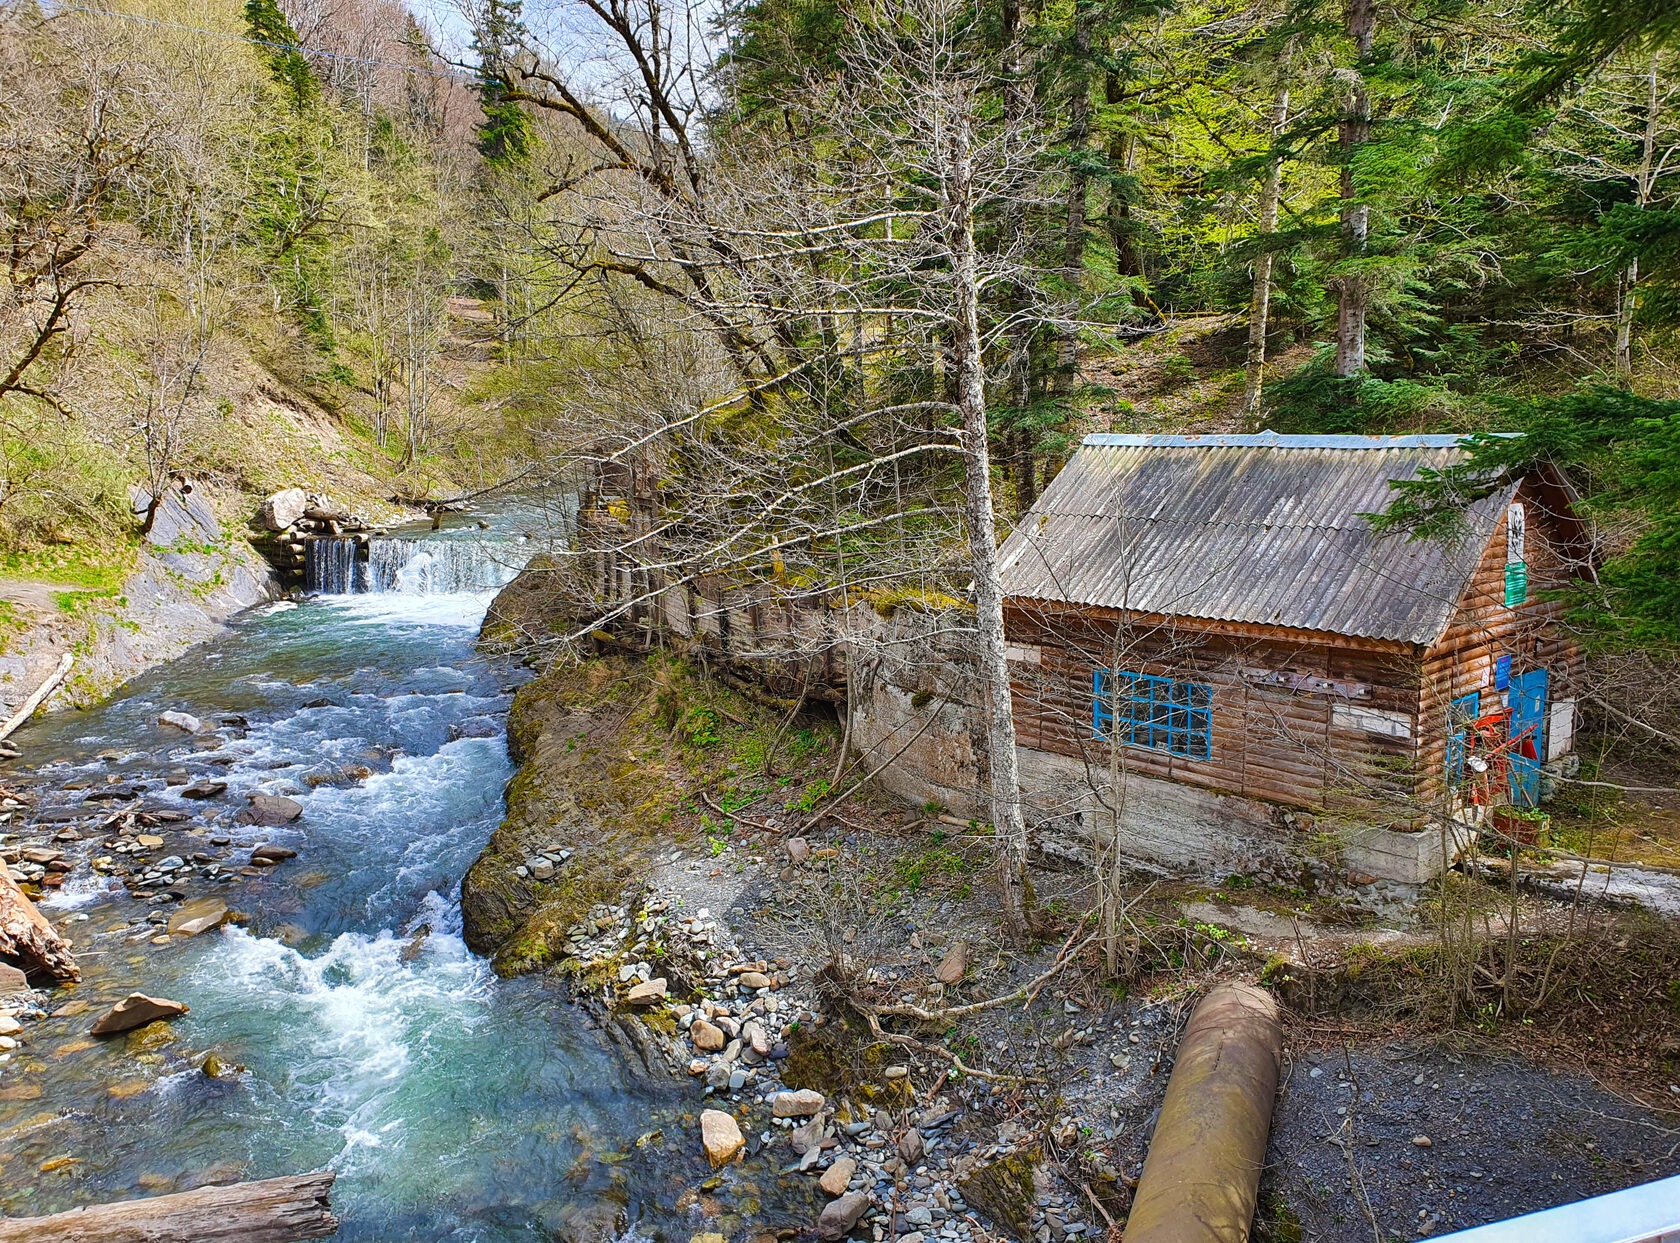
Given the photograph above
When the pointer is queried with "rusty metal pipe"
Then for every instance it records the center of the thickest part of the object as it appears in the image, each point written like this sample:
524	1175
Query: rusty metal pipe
1202	1174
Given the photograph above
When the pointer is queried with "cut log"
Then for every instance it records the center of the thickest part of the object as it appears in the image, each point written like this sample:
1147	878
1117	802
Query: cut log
275	1210
41	692
26	935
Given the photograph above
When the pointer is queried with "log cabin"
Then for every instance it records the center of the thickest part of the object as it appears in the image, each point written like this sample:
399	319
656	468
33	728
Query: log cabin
1212	627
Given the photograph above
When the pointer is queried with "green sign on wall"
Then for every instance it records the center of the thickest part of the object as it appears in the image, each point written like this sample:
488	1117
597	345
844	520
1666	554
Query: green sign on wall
1516	583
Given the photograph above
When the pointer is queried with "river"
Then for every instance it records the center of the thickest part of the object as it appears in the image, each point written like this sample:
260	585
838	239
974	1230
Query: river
453	1105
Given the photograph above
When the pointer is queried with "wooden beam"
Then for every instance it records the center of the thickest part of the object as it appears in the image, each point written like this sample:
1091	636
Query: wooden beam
275	1210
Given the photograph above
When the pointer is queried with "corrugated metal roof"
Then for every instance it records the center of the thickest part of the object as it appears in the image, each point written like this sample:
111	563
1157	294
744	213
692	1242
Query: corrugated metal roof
1262	529
1272	440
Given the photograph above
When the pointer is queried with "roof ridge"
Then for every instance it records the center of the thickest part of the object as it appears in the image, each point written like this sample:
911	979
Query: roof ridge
1274	440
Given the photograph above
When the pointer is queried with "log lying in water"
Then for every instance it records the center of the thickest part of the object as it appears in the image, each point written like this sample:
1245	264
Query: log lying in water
275	1210
26	935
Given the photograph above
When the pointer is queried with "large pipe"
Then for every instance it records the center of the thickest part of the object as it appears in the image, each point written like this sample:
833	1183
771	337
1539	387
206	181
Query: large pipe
1202	1175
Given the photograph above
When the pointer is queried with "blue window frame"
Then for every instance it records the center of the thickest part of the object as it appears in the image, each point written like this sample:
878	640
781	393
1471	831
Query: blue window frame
1153	712
1459	715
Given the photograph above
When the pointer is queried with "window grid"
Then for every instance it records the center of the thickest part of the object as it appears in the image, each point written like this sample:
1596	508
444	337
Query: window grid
1159	713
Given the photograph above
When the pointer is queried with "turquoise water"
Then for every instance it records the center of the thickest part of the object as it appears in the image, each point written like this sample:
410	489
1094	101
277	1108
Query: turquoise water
453	1105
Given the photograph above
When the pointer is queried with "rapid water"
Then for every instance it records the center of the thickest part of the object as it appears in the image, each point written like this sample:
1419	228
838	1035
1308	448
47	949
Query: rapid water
453	1105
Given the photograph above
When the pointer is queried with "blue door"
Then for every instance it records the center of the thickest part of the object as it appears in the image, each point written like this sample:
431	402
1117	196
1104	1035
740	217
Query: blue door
1528	723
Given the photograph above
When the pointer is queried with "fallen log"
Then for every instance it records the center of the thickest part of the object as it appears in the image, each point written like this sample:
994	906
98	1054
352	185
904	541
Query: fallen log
48	685
26	935
275	1210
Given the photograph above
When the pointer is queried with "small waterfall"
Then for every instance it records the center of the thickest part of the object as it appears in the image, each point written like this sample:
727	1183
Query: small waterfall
331	567
414	567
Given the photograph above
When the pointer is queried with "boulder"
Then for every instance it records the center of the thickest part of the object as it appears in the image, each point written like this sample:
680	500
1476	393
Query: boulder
186	722
841	1215
838	1175
199	915
284	508
800	1104
722	1137
706	1038
272	809
649	994
136	1010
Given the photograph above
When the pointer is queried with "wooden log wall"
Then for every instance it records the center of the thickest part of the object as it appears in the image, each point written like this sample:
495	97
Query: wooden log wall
1483	629
1285	743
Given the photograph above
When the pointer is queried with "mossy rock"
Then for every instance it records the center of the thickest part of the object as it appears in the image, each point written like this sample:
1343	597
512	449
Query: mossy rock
1003	1190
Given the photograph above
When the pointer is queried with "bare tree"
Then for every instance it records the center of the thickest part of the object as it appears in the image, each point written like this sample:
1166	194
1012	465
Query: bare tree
838	303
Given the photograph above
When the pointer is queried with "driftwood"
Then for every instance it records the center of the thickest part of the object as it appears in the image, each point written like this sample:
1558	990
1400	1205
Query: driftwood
275	1210
41	692
26	935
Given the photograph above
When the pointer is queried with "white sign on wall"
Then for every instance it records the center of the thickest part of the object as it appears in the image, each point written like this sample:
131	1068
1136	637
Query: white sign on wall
1516	533
1560	729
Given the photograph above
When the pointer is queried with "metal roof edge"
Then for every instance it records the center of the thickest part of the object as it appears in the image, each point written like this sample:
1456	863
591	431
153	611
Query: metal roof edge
1272	440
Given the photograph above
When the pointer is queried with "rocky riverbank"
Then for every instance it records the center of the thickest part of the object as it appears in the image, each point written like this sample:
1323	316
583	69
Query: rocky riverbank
188	577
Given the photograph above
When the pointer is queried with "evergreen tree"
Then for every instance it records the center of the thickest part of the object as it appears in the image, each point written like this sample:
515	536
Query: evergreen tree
504	135
269	27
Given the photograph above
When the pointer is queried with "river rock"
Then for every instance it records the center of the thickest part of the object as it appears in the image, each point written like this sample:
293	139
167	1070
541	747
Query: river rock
199	915
954	965
722	1137
12	980
269	810
798	849
706	1038
800	1104
9	1026
268	856
284	508
838	1175
910	1146
203	789
753	980
647	994
186	722
136	1010
840	1216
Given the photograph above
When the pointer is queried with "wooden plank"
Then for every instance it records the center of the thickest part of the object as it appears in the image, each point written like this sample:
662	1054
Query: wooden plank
275	1210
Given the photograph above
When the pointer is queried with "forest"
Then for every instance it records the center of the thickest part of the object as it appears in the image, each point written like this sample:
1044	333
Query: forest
715	242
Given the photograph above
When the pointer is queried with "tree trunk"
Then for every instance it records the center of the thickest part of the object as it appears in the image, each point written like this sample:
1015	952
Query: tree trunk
275	1210
1122	150
1007	821
1643	192
1079	181
1624	325
1353	289
26	936
1271	192
1024	437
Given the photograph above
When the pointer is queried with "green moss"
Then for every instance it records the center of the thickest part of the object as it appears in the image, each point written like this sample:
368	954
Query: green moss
1003	1190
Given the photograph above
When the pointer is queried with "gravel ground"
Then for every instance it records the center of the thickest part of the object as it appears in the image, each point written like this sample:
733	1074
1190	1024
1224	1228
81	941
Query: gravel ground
1503	1138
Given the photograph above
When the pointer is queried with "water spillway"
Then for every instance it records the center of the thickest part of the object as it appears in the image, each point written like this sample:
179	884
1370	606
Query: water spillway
410	565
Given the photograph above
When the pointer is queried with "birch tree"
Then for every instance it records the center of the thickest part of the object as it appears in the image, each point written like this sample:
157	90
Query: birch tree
821	264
